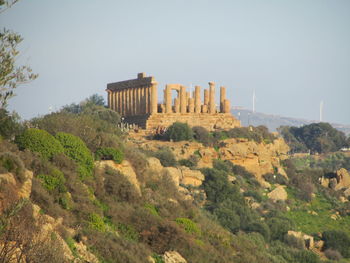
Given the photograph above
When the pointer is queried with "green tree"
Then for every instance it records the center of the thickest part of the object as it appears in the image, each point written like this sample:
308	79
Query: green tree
11	75
179	131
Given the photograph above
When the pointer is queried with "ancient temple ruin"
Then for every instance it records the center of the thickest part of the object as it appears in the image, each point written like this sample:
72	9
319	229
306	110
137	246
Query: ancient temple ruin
136	100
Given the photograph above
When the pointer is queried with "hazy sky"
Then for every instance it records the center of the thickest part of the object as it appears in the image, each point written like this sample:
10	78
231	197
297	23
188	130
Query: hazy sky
293	53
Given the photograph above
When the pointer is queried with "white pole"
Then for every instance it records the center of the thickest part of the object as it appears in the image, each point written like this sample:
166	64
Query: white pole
321	110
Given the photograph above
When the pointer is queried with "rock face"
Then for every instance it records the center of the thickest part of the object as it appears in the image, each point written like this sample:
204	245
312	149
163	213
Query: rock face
258	159
173	257
340	181
279	193
180	175
124	168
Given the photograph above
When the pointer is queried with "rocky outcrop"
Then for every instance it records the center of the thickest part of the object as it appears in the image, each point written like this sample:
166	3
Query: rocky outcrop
125	168
173	257
308	240
278	194
180	175
257	158
343	179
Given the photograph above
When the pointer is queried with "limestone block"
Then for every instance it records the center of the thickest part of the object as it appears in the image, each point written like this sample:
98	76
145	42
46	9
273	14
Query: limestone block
343	178
174	173
26	188
173	257
191	177
125	168
279	193
154	164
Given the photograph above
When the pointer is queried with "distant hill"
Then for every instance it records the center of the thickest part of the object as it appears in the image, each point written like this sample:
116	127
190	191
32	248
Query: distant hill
274	121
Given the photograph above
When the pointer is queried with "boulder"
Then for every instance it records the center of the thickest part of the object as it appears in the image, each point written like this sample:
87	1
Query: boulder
125	168
8	178
173	257
279	193
191	177
26	188
343	179
154	164
174	173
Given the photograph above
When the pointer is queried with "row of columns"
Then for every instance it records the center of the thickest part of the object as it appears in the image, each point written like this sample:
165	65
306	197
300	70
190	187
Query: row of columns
184	103
134	101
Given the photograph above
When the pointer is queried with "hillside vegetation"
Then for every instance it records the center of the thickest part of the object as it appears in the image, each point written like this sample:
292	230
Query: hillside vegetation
75	188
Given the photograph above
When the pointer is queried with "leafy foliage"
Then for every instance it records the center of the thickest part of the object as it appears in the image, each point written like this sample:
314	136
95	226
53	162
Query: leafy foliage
10	75
337	240
9	124
166	157
179	131
258	134
189	226
39	141
316	137
109	153
76	149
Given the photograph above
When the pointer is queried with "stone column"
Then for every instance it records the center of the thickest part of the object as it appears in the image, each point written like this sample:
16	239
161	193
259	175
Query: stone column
227	107
183	99
112	100
197	99
109	99
123	102
127	100
167	99
120	100
222	98
116	101
206	97
176	105
154	98
212	98
191	105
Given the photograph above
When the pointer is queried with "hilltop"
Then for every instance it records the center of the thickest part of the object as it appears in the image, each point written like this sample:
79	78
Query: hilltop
74	187
274	121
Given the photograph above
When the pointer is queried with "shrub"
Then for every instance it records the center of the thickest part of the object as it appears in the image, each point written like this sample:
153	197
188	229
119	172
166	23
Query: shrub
333	254
39	141
179	131
10	162
9	125
96	222
191	162
76	149
202	135
54	181
166	157
275	178
306	256
259	227
128	232
337	240
109	153
189	226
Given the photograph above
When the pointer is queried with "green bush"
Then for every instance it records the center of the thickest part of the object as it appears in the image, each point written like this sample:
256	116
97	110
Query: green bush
9	124
202	135
166	157
128	232
39	141
109	153
54	181
189	226
275	178
337	240
76	149
179	131
191	162
96	222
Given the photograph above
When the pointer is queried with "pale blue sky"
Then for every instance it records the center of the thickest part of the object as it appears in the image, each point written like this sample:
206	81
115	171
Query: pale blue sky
293	53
